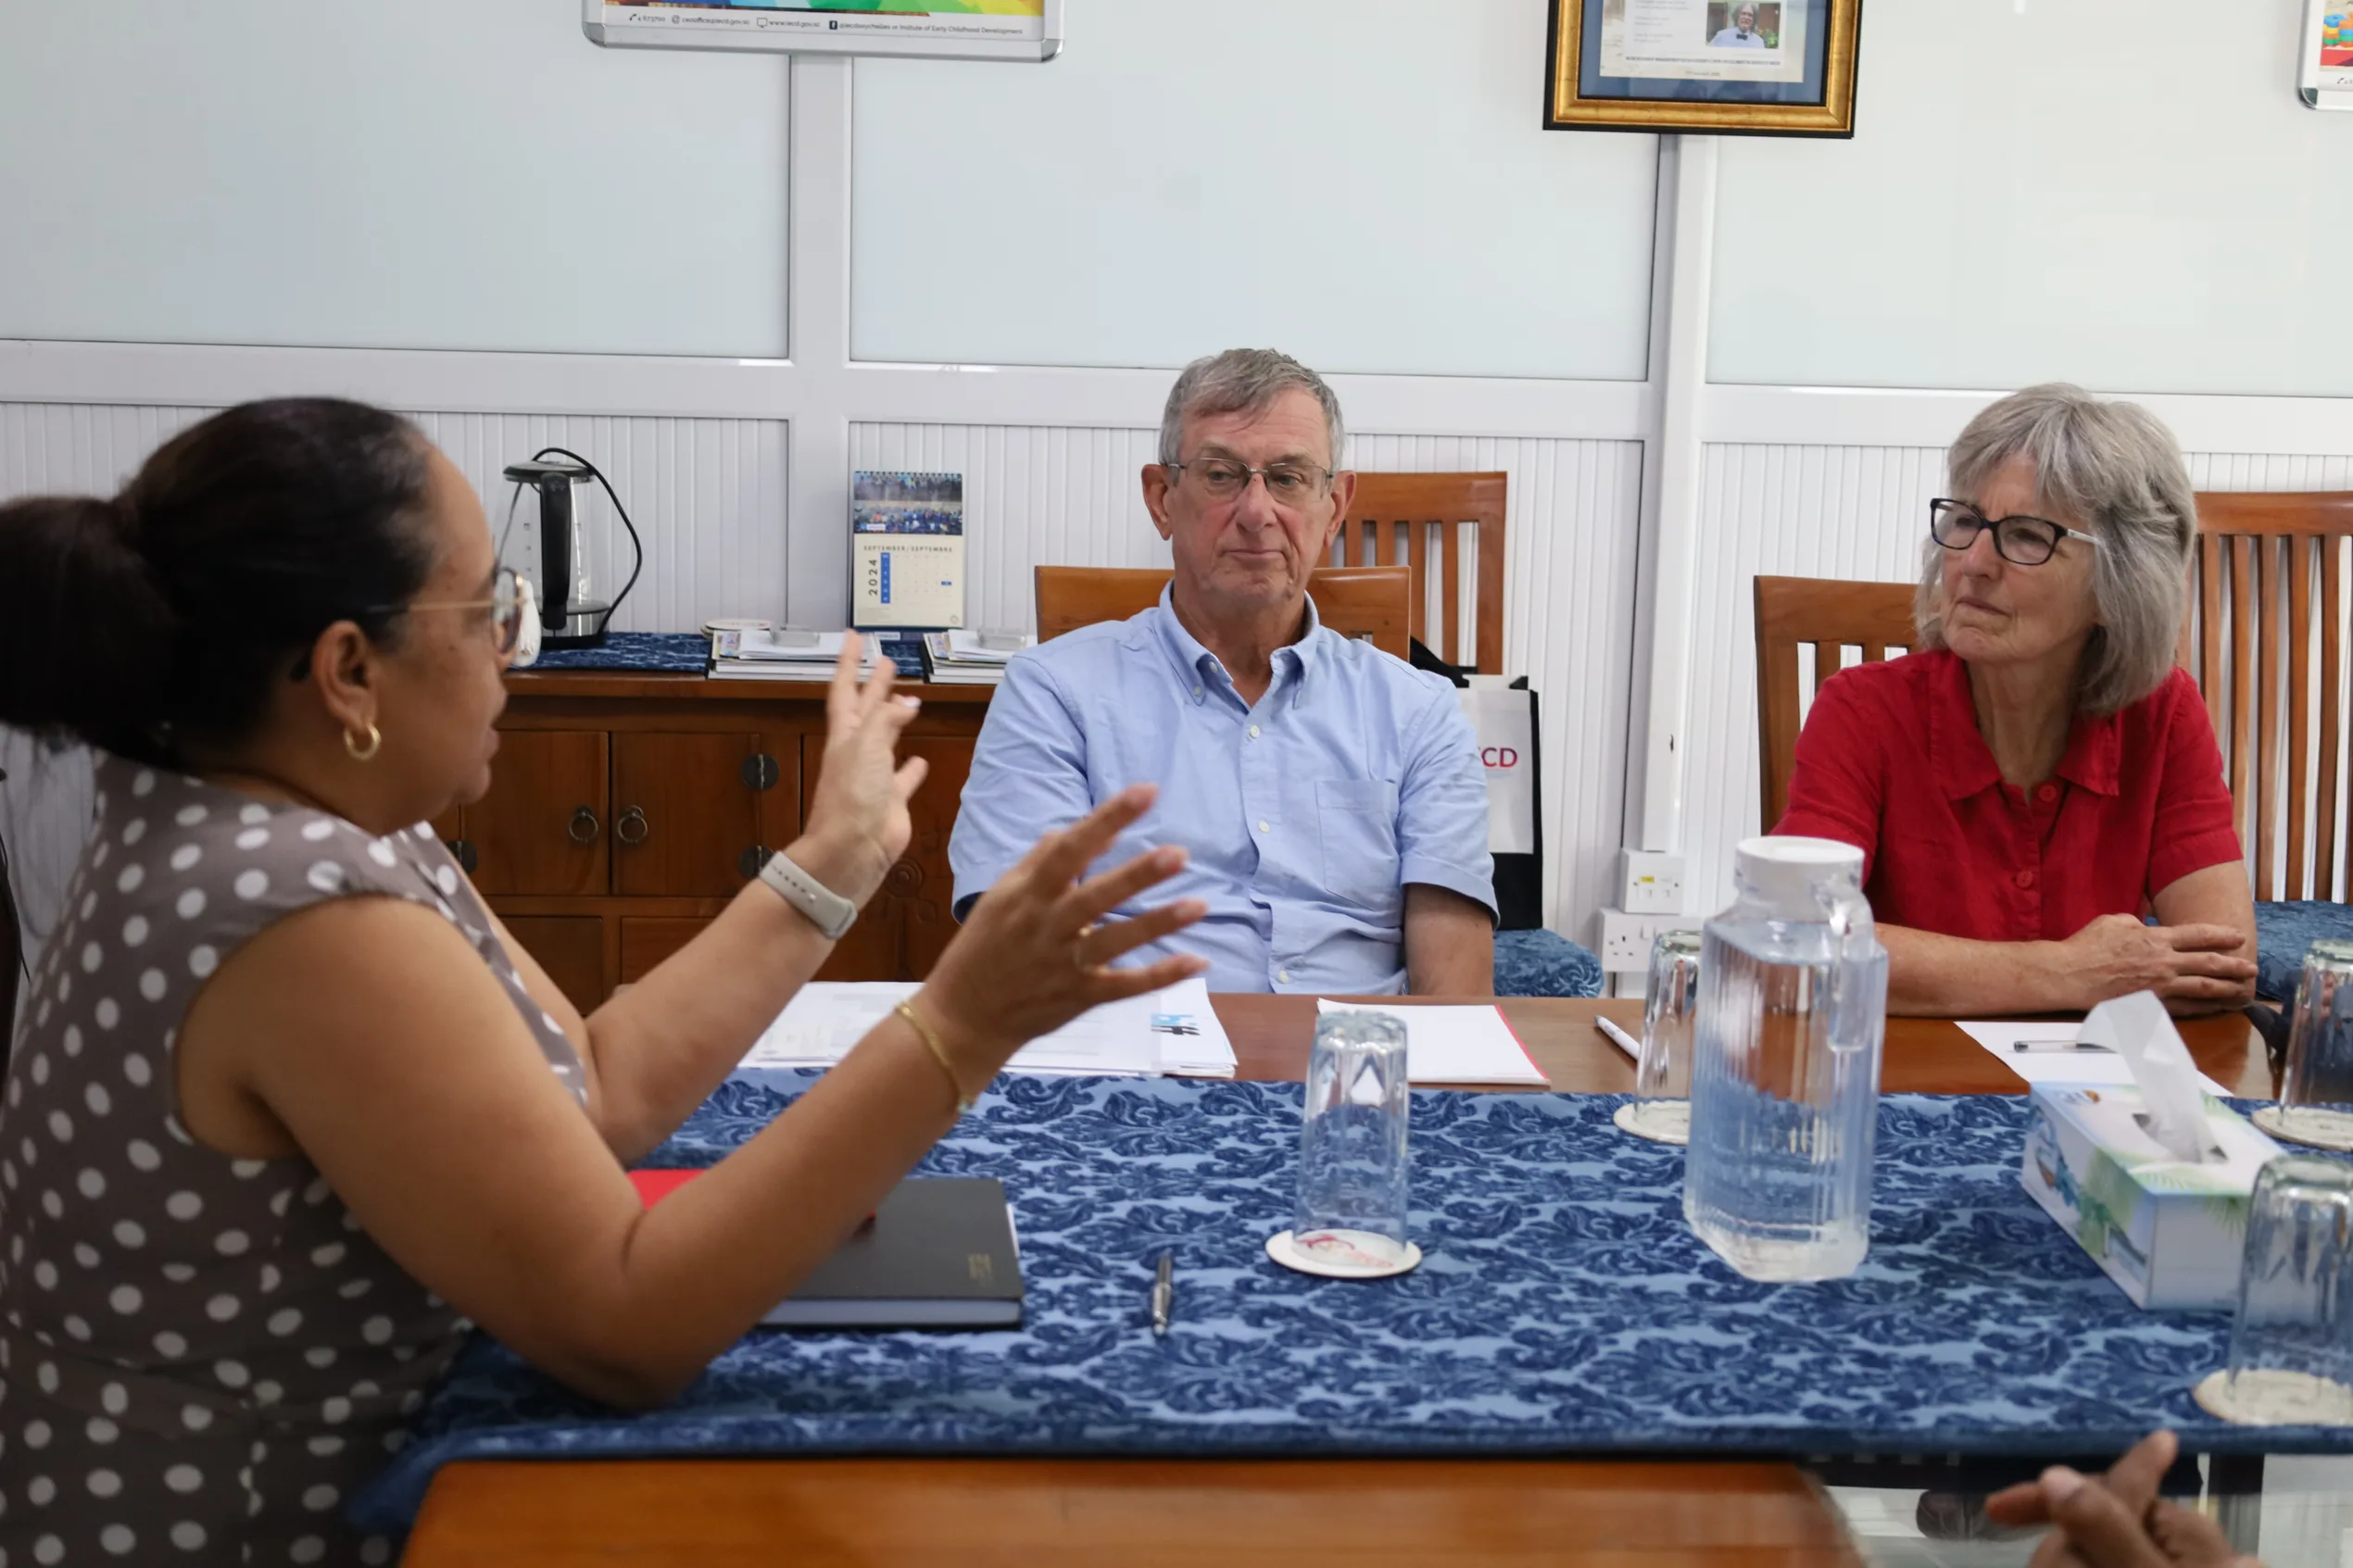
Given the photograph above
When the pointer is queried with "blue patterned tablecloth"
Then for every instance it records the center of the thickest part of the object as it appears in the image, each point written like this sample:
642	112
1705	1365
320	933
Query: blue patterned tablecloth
1562	1306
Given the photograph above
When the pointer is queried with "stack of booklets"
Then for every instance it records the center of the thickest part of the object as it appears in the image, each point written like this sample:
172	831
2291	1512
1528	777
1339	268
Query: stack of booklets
960	659
752	654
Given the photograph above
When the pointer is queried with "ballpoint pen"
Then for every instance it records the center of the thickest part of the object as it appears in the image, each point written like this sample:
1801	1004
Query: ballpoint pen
1163	1292
2019	1048
1620	1037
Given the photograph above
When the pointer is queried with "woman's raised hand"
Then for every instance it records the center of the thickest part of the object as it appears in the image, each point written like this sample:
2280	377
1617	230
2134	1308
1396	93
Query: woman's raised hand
1037	952
858	823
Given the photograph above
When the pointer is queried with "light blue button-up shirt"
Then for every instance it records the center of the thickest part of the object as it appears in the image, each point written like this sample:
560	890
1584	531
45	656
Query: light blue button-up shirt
1306	815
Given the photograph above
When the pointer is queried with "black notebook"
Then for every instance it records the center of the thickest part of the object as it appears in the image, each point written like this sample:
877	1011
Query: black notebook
939	1253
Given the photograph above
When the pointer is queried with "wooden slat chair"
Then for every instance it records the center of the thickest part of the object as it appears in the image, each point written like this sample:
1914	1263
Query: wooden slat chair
1368	602
1402	519
1798	613
2267	639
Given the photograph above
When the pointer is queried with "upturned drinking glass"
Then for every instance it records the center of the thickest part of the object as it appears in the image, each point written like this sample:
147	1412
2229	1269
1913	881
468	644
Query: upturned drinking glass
1352	1154
2292	1342
2316	1081
1662	1108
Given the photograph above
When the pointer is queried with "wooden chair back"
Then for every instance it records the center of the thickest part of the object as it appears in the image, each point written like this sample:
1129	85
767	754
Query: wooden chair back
1367	602
2274	676
1404	519
1802	612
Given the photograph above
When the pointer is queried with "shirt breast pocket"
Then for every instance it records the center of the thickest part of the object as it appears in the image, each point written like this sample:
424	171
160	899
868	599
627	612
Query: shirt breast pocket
1356	824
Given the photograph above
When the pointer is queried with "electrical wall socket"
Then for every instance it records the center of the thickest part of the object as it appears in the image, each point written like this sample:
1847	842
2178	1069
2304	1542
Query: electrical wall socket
1650	882
1626	938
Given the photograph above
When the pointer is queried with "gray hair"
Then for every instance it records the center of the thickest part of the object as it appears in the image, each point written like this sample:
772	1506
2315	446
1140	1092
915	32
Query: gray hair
1744	6
2118	471
1241	381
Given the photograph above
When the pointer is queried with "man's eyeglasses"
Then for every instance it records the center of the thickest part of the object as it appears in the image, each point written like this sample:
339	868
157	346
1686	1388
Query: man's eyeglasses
2021	541
1222	479
505	604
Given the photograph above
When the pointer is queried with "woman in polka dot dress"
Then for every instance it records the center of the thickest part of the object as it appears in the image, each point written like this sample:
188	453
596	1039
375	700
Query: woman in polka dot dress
286	1108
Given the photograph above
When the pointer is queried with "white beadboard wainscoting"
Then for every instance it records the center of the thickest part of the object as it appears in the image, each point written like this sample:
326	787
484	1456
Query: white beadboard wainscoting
707	495
1058	497
1850	512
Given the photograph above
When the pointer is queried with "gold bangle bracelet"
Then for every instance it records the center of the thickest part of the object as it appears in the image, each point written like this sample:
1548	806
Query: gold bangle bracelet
931	1040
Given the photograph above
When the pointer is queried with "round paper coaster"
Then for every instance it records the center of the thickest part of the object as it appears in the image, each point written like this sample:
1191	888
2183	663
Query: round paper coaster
1340	1257
2338	1137
2276	1398
1661	1121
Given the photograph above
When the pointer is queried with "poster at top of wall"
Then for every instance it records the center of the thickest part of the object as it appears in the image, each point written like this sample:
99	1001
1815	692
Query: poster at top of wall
1009	29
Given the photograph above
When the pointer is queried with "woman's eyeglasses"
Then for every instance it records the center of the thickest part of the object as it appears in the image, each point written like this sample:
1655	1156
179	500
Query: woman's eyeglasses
505	604
2021	541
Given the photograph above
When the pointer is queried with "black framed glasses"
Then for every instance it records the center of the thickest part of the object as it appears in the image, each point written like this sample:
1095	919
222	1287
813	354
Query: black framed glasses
2021	541
505	604
1222	479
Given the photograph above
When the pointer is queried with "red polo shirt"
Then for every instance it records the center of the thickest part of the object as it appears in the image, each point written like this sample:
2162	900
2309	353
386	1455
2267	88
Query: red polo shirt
1891	762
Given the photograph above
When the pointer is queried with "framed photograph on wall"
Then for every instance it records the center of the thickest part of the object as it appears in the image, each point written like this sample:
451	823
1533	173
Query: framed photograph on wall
1769	68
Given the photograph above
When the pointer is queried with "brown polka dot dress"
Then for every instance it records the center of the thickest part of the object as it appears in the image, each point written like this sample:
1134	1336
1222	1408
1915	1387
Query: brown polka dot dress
200	1357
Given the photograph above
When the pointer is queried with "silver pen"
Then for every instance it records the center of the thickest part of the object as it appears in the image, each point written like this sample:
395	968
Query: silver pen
1163	1292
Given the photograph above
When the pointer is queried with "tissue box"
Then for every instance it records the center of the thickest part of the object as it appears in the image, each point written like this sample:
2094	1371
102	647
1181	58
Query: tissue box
2170	1232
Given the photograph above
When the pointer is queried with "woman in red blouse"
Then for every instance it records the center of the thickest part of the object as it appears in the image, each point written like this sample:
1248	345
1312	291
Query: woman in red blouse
2039	775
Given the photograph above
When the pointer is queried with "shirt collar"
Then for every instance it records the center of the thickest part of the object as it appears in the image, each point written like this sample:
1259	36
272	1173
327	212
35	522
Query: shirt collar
1965	763
1195	662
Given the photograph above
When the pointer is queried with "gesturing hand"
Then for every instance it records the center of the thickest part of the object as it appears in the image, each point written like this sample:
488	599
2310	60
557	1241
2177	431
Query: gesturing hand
2115	1521
858	823
1036	953
2197	965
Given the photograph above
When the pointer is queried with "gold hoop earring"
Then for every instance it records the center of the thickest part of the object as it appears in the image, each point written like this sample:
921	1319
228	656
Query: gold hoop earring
366	753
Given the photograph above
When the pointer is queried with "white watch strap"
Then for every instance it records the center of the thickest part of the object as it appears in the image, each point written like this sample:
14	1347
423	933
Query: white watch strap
827	911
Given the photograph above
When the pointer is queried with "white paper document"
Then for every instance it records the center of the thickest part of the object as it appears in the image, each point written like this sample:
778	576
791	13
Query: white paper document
1456	1044
1175	1031
2050	1066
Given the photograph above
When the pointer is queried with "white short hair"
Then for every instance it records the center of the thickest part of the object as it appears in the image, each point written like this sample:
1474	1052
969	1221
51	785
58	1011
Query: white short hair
2115	469
1239	380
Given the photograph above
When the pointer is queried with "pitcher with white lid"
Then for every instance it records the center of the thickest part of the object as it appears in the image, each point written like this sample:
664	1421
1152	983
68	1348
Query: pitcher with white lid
1786	1065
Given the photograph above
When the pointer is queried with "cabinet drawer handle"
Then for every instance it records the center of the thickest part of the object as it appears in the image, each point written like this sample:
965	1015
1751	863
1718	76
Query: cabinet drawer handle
751	860
632	828
464	853
760	772
583	827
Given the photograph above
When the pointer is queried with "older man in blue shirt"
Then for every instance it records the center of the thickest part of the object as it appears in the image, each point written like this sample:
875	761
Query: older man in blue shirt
1331	798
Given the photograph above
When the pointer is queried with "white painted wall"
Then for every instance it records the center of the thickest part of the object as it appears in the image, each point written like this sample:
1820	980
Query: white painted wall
1352	180
432	174
2127	196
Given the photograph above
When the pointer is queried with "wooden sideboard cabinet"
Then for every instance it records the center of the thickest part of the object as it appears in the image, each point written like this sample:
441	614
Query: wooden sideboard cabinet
626	811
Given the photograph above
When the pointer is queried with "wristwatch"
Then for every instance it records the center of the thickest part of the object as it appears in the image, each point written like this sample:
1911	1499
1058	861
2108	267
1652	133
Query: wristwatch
827	911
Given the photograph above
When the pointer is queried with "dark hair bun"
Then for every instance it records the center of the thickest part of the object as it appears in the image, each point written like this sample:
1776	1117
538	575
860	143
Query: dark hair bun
83	625
172	611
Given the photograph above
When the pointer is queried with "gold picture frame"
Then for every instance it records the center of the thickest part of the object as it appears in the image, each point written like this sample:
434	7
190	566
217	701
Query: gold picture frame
1576	98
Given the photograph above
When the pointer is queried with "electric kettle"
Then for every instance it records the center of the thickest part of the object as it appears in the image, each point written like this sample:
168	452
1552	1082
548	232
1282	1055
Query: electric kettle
548	546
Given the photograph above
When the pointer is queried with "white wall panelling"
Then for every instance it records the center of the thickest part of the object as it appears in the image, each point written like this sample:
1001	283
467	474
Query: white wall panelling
707	494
